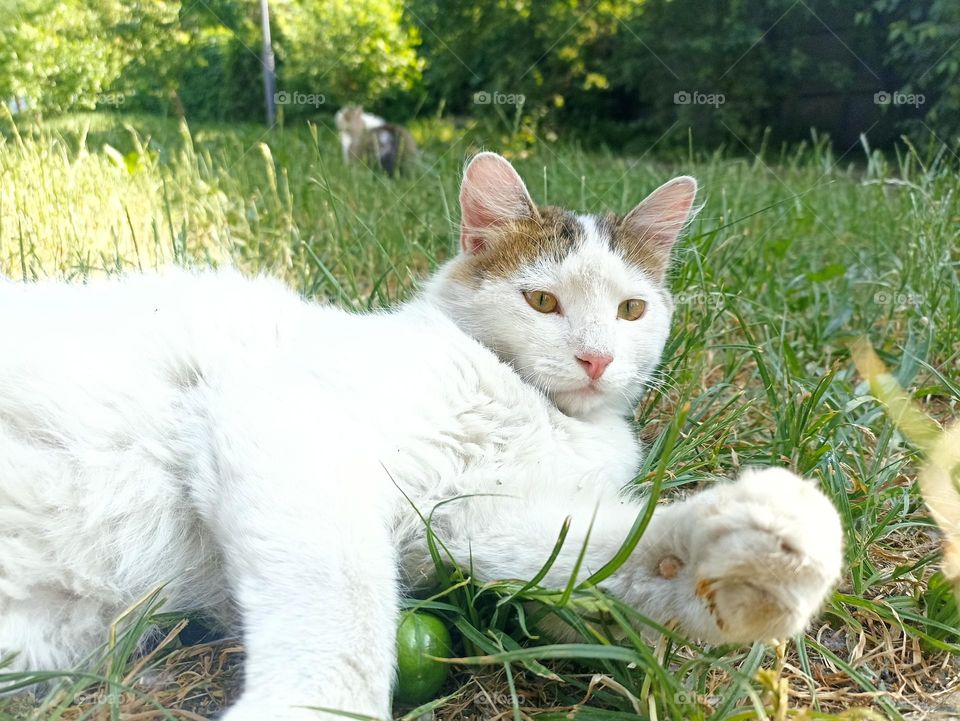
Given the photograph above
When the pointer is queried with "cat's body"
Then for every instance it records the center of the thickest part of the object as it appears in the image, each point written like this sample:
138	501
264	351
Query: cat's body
352	124
261	454
370	139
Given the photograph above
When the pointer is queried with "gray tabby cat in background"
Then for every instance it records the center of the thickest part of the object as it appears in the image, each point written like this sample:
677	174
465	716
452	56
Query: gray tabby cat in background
371	139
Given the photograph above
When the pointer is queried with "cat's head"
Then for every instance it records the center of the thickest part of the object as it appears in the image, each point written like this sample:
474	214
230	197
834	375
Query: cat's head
349	117
577	304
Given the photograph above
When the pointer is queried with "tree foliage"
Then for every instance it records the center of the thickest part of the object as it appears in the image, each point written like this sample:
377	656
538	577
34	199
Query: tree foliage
924	47
616	69
347	49
54	54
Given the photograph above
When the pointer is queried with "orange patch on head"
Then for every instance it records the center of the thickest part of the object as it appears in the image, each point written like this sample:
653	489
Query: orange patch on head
521	242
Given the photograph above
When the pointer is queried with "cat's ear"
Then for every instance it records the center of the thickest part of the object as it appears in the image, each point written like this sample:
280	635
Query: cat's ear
649	231
492	194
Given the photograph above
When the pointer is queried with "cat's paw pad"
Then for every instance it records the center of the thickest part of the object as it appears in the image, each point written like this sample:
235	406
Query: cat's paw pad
765	555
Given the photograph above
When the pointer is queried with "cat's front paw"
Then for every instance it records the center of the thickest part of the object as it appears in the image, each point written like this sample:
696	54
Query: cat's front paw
765	553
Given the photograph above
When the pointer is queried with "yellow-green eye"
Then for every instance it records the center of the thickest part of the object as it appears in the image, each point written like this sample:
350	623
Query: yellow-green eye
541	301
631	309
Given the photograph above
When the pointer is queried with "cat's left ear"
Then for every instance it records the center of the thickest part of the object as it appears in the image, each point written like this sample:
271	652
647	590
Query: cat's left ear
492	195
649	231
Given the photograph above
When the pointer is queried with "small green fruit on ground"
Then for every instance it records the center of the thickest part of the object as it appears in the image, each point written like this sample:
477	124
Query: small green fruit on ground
419	636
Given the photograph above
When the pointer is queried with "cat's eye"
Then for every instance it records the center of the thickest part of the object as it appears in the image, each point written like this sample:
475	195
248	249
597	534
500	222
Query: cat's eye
541	301
631	309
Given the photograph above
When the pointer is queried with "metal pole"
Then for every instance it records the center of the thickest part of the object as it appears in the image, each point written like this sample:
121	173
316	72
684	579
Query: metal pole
269	74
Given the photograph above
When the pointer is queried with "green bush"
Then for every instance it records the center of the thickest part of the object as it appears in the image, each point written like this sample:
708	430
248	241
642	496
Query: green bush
923	41
541	56
223	81
344	51
729	70
54	55
621	72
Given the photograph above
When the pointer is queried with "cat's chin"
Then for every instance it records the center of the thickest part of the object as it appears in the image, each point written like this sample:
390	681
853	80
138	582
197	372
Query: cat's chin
582	402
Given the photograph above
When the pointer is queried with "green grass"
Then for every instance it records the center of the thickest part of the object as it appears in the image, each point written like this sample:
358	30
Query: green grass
795	254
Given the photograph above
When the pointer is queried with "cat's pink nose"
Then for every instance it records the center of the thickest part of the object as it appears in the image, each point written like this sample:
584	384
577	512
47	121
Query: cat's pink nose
594	364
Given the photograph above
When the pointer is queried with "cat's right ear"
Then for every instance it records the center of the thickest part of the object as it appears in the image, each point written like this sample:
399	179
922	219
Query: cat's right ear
652	227
492	194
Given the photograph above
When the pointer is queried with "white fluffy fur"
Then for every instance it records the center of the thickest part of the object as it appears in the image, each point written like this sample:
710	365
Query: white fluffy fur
223	436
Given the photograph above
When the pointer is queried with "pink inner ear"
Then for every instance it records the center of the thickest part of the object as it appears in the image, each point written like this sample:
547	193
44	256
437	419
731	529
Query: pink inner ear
476	217
660	218
491	193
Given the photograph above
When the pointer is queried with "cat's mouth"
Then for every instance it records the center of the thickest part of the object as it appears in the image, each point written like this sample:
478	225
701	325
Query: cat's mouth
581	390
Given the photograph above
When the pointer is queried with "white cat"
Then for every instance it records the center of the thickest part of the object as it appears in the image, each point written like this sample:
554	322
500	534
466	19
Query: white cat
247	448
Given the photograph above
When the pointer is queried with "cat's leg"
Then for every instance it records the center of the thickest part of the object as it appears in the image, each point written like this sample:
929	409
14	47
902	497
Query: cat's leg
48	630
744	561
307	543
388	161
321	635
319	608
